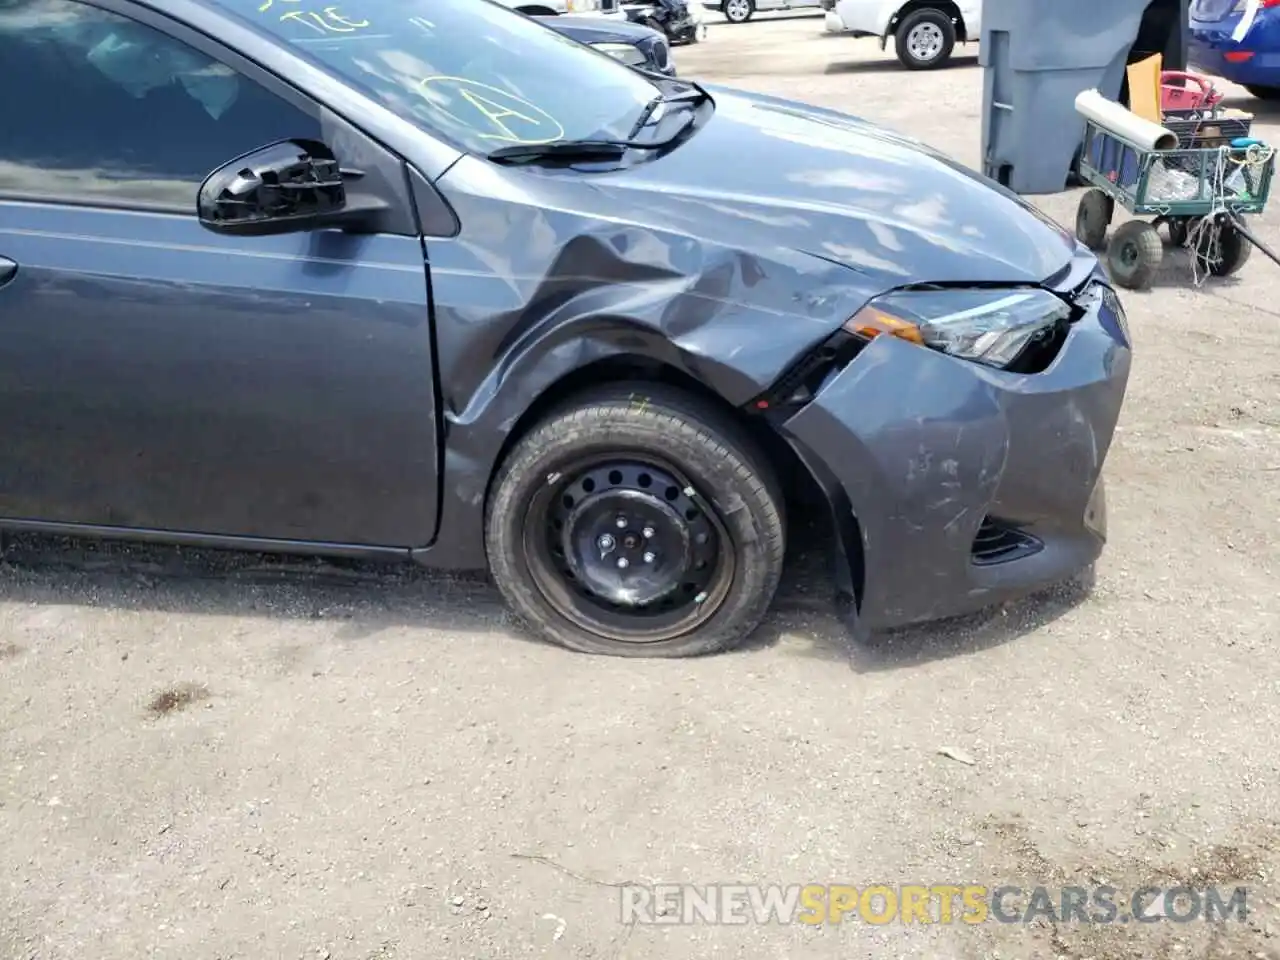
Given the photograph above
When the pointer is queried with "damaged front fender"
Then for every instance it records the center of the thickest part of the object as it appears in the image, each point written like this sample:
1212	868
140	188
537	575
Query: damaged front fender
514	320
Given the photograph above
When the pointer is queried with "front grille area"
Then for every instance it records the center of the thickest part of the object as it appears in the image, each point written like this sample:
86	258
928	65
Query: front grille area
999	542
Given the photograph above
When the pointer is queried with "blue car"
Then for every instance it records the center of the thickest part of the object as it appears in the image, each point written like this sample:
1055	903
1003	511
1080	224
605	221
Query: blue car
1254	60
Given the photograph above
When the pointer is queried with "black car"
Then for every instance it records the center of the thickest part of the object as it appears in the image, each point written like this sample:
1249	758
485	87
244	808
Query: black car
634	44
672	17
427	281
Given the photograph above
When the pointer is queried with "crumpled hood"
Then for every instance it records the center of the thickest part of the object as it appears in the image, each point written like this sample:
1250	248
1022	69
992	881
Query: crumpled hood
764	173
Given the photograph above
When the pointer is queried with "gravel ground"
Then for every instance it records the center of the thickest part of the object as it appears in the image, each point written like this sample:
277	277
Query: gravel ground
213	757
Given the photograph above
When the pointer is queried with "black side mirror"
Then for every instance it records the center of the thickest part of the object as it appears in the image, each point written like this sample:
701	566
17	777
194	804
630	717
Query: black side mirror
287	187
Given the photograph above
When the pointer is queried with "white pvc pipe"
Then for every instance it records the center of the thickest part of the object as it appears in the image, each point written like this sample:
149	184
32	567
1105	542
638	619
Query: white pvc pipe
1114	118
1246	21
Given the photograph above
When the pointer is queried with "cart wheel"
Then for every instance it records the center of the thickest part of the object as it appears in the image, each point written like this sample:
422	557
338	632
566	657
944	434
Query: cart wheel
1134	254
1093	216
1178	232
1228	254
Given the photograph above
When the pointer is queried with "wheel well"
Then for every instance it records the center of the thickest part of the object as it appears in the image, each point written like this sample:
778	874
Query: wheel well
797	483
536	11
942	6
807	503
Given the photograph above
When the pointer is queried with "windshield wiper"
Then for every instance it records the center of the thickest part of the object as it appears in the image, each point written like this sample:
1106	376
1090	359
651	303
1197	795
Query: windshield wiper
574	151
577	151
571	151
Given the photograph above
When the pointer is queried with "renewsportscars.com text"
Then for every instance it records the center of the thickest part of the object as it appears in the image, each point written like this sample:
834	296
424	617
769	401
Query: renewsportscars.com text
819	904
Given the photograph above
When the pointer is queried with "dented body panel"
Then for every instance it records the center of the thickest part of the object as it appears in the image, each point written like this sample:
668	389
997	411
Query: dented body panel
585	285
926	447
725	278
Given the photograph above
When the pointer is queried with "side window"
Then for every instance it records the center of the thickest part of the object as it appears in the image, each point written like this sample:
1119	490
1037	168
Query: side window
108	110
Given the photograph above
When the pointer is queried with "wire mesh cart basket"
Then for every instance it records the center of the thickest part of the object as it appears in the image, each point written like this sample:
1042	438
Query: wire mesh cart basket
1200	192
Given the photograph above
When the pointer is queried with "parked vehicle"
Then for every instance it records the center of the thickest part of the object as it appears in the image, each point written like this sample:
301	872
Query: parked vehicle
614	34
634	44
418	298
740	11
924	32
1253	61
610	9
679	21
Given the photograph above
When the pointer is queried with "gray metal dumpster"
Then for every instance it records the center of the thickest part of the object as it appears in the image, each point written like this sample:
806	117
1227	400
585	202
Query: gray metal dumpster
1037	55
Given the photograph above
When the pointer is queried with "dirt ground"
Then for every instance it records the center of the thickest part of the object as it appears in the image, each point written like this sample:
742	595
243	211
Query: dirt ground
212	757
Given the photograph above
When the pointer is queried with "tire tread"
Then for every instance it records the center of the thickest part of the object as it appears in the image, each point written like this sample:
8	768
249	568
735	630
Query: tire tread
666	415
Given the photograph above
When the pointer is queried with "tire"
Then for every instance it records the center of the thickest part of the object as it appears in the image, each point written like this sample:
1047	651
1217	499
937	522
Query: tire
738	11
1231	254
1093	217
1264	93
1134	255
924	39
654	472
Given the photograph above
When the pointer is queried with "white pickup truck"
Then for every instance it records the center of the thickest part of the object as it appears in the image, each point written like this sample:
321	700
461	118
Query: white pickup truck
924	31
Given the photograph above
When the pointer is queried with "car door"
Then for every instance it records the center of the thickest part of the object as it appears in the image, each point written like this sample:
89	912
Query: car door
155	375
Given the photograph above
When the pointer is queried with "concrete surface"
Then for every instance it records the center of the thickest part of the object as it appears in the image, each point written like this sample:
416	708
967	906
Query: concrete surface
209	757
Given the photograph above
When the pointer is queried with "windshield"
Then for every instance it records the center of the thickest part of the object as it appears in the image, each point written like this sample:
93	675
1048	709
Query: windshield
478	73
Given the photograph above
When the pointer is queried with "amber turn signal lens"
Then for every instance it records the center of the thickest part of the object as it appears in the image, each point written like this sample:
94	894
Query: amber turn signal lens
870	322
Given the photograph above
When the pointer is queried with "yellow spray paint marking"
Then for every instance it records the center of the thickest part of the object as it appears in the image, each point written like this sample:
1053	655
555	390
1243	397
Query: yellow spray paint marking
508	118
330	21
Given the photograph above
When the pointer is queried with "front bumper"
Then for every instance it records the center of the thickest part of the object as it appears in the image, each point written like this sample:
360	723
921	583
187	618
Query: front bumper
683	30
967	486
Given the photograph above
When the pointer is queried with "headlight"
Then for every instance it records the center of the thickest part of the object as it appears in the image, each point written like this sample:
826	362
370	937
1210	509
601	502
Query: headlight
987	326
621	51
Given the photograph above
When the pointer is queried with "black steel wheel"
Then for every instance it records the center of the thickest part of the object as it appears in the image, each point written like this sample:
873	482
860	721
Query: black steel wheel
1222	251
1134	254
609	528
1093	217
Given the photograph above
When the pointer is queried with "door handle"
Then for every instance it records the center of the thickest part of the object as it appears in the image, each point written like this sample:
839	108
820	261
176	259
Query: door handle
8	269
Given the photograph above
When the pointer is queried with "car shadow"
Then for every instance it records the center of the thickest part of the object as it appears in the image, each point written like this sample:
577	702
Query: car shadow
805	609
888	63
365	598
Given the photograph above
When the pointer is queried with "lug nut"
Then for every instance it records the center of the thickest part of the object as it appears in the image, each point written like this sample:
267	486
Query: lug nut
620	523
648	532
650	557
622	563
605	543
